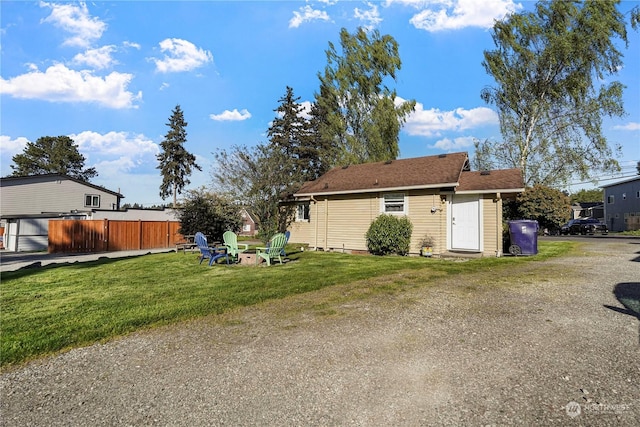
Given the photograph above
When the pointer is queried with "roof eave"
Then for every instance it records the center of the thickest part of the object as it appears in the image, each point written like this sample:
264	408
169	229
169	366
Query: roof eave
377	190
491	191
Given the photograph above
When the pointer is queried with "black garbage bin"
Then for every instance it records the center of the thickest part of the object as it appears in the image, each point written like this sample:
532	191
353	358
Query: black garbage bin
523	237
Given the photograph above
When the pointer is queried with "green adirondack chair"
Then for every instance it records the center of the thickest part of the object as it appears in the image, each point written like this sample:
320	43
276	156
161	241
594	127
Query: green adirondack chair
231	243
274	250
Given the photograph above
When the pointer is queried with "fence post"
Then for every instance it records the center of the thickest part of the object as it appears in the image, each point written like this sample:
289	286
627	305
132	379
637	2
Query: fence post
105	235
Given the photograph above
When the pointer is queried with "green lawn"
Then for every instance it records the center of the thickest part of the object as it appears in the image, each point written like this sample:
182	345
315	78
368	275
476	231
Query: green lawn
45	310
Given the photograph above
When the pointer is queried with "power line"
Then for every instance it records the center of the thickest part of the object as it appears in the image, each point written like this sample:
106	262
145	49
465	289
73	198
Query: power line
598	179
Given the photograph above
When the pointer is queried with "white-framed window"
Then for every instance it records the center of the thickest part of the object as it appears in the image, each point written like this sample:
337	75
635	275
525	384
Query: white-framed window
246	228
610	199
92	200
394	203
302	212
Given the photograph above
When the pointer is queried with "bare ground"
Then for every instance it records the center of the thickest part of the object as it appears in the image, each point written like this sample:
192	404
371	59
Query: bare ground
551	344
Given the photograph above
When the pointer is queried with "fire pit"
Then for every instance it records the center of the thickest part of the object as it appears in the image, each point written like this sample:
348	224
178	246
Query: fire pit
249	258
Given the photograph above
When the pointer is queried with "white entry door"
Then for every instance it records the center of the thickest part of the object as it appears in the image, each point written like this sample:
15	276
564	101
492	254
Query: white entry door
465	223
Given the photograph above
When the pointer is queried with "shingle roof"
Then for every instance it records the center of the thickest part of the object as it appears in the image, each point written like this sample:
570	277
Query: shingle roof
419	172
494	180
441	171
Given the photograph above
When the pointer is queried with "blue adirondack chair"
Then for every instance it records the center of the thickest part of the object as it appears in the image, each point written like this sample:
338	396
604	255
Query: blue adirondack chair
287	234
233	247
274	249
207	252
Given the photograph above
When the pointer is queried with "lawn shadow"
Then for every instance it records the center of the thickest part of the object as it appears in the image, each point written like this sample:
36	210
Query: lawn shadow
628	294
37	266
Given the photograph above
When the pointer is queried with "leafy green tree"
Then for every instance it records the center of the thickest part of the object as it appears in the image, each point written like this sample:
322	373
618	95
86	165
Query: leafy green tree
258	177
131	206
594	195
550	207
209	214
51	154
361	117
176	163
553	69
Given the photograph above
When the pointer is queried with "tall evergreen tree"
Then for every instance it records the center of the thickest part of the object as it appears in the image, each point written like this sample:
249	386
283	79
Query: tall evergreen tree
176	162
293	134
553	69
362	117
51	154
289	134
326	150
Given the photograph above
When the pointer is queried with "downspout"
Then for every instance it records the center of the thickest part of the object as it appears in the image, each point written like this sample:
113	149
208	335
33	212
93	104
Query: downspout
326	223
498	226
315	233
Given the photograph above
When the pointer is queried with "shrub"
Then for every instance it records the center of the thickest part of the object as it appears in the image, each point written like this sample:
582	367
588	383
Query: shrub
389	234
208	213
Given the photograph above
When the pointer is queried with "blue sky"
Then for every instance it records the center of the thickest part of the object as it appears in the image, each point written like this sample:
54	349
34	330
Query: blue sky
109	73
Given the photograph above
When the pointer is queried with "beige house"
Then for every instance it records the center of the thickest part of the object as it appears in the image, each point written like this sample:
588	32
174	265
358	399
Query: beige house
460	209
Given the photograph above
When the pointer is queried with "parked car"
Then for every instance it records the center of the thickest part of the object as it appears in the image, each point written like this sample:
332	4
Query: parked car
584	226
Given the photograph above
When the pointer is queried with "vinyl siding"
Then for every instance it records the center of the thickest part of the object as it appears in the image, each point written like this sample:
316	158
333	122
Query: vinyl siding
27	234
33	196
492	226
341	222
624	213
427	223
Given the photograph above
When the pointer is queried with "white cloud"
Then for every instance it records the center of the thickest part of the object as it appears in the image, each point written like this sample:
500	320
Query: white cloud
60	84
457	144
114	144
96	58
125	163
75	19
10	147
371	17
629	126
181	55
432	122
234	115
131	44
307	14
439	15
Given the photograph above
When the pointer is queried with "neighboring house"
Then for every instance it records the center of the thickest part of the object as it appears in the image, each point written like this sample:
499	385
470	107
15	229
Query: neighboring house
588	210
27	203
622	205
460	209
249	223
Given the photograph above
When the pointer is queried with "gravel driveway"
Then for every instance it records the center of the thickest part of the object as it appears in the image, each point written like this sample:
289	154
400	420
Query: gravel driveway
550	345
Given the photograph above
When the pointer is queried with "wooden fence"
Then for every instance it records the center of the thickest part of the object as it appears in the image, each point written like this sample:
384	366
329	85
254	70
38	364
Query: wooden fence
72	235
